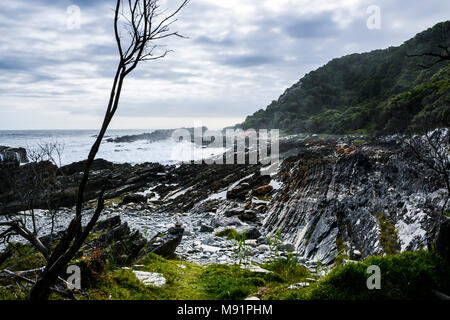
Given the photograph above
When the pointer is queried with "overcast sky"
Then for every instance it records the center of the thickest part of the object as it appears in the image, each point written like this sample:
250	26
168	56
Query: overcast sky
240	55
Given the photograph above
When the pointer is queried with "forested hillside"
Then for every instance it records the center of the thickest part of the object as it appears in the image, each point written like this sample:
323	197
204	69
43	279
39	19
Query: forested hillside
380	92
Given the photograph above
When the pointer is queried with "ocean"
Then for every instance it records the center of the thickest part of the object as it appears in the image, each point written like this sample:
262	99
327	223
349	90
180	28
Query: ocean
77	144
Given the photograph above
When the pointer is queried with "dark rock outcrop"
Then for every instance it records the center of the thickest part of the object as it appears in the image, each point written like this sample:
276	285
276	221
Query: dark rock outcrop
8	154
332	199
166	244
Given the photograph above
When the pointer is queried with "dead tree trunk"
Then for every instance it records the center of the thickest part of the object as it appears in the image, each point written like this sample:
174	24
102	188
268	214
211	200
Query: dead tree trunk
142	19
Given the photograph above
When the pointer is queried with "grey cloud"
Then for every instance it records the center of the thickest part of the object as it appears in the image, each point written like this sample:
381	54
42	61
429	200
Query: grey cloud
246	61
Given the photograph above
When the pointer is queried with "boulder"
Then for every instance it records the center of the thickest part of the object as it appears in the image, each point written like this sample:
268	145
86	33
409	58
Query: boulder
261	191
8	154
249	215
239	192
234	212
133	198
166	244
251	233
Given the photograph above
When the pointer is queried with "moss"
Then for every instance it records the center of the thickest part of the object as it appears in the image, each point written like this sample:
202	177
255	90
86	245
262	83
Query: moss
113	201
230	234
410	275
342	248
121	284
388	236
24	257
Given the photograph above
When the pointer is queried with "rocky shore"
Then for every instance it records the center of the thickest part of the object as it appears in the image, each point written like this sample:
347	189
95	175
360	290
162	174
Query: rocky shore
332	198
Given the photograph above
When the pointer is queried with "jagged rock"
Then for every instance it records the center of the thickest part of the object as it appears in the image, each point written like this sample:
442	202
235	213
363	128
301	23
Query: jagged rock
166	244
18	155
325	202
107	224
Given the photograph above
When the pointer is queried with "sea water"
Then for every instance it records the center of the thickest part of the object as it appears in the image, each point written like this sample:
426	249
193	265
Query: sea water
77	143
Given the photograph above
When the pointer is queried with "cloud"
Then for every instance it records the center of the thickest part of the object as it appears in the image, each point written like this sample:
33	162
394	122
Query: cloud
239	56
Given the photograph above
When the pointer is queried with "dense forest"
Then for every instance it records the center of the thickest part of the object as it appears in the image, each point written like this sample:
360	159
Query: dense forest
380	92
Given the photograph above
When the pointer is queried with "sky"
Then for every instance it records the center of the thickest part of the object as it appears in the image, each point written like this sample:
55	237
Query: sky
57	58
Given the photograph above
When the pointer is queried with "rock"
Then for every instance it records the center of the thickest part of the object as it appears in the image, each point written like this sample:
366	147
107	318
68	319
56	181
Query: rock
150	278
251	243
288	247
443	238
234	212
78	167
133	198
205	228
261	191
166	244
8	154
107	224
252	298
299	285
254	268
239	192
251	233
263	247
249	215
211	249
216	223
233	222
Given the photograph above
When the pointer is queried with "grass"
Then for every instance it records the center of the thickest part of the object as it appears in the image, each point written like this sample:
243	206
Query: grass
121	284
230	234
195	282
388	237
408	276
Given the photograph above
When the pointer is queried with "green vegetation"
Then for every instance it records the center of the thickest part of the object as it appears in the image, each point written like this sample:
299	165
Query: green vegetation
380	92
410	275
230	234
388	237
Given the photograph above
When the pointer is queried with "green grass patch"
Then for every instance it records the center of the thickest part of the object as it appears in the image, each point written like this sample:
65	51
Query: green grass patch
410	275
230	234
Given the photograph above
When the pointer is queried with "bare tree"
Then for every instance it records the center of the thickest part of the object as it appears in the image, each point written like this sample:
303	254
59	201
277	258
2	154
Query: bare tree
433	150
40	181
145	24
